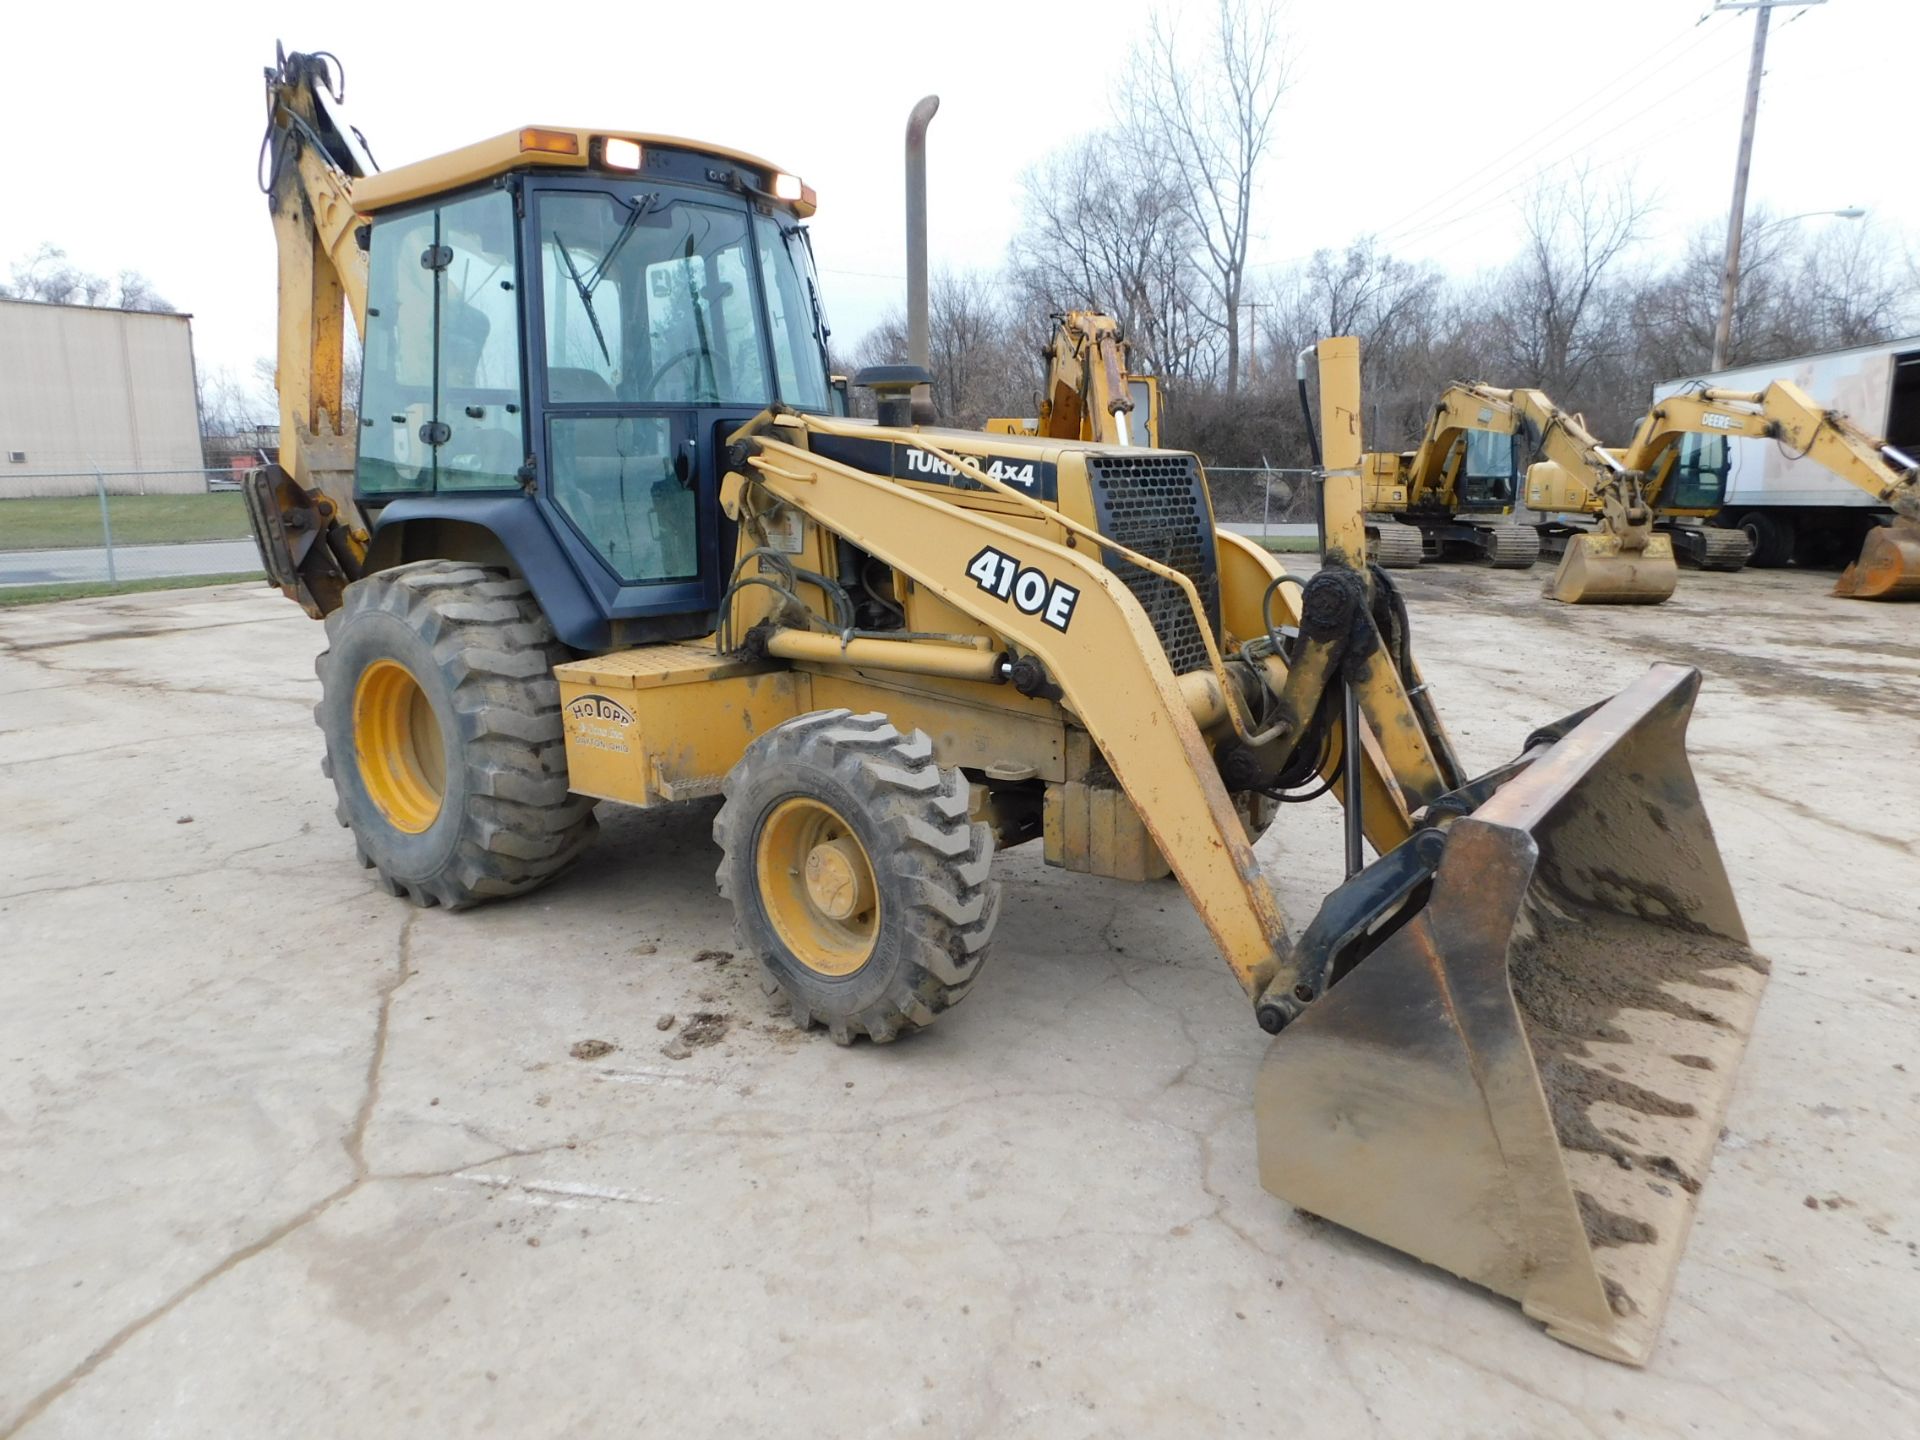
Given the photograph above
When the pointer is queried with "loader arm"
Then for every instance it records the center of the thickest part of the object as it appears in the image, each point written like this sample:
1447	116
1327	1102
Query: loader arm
312	536
1099	647
1102	650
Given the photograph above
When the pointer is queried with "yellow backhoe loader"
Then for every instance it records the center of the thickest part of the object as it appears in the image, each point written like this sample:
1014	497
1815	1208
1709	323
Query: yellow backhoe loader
1089	392
1437	496
595	535
1888	567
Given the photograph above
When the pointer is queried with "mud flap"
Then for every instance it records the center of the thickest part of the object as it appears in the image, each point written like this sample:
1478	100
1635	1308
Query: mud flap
1888	567
1525	1083
1597	570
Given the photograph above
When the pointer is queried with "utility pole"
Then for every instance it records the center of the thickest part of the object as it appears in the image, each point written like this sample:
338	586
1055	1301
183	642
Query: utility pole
1730	276
1253	346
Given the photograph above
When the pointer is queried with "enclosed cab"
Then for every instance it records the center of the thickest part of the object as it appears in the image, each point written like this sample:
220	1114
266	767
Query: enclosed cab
562	327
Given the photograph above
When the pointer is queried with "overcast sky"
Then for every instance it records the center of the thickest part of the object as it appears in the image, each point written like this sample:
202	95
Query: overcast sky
134	146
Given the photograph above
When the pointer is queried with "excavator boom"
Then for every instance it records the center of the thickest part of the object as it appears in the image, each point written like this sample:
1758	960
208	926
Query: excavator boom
1888	567
1626	561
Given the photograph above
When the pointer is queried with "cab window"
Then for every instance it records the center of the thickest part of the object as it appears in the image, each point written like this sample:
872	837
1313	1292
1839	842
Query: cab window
440	379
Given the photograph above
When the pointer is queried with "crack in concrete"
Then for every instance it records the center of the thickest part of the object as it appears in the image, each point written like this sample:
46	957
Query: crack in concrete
145	740
201	872
354	1143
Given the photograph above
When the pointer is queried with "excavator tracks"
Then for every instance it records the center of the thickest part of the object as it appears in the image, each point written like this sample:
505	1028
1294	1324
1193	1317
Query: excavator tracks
1513	547
1396	546
1719	549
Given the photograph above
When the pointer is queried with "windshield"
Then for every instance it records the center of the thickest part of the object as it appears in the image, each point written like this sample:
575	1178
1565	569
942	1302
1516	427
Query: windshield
1489	455
650	300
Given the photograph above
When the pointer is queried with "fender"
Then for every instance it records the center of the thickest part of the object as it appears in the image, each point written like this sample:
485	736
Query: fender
506	529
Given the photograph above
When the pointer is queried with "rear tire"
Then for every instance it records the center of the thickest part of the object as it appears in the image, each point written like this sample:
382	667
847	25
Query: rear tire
444	741
857	879
1772	538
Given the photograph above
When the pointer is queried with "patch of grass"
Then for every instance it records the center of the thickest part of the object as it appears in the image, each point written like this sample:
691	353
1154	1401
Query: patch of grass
11	595
1288	544
72	521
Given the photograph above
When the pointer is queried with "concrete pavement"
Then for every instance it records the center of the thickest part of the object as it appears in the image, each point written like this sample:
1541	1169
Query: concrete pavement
280	1155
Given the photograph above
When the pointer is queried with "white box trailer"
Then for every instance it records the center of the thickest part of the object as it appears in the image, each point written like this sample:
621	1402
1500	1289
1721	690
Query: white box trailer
1793	508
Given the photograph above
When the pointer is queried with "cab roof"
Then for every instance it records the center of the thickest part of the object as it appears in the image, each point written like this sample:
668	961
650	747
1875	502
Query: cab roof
543	147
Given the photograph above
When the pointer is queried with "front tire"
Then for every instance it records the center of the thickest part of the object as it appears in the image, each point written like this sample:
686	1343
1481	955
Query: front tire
444	740
857	879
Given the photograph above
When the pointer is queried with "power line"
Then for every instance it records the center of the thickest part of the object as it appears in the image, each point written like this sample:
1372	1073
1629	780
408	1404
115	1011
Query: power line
1452	218
1538	141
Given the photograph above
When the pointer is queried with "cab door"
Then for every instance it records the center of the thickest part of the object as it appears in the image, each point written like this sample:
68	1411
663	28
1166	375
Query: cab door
647	318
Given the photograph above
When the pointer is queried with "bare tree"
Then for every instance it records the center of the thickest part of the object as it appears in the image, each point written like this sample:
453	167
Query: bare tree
231	407
981	365
1209	124
1103	231
1396	308
49	277
1559	316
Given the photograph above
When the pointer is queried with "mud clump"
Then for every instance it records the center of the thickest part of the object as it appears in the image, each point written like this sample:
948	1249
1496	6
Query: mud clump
592	1049
702	1029
1610	1227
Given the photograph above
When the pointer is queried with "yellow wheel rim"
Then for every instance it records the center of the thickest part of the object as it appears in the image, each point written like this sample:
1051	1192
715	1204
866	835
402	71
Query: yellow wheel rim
817	886
396	741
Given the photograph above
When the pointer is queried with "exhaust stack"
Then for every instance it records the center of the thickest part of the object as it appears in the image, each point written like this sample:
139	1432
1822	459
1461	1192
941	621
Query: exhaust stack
917	343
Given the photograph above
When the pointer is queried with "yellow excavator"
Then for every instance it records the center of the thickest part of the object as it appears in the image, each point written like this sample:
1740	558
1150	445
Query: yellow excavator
1456	490
595	535
1888	566
1089	393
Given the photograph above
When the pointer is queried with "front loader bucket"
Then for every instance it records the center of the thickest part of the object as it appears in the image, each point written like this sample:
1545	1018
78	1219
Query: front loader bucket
1524	1083
1888	567
1597	570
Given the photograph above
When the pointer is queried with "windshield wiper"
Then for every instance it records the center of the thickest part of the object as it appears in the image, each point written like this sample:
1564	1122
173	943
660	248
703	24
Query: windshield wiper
586	295
821	330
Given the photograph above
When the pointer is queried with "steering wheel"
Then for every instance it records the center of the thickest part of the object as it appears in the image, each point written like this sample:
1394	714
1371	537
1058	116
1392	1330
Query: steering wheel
692	352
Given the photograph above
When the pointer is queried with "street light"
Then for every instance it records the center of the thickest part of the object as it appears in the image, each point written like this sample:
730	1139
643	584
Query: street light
1723	332
1852	212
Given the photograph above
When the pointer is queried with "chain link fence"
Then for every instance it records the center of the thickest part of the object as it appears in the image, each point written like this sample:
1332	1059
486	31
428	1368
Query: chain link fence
1273	504
115	527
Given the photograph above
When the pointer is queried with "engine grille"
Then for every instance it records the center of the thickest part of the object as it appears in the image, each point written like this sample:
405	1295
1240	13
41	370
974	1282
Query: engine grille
1156	506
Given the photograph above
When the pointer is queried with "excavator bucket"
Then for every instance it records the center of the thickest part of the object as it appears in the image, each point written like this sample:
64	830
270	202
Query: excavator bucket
1525	1082
1888	567
1597	570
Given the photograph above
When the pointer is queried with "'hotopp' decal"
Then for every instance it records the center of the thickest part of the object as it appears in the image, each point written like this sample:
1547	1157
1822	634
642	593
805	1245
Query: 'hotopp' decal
1025	588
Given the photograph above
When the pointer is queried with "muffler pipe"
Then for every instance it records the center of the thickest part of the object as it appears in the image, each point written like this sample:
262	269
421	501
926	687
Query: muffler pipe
918	348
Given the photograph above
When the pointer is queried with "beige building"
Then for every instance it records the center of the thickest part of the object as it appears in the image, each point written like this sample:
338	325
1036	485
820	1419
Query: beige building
85	389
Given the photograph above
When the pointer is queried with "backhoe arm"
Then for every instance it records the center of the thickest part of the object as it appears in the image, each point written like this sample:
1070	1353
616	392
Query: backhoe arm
1087	381
311	534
